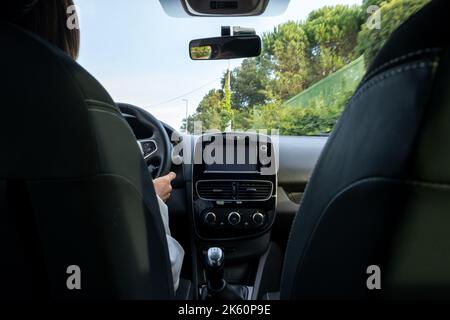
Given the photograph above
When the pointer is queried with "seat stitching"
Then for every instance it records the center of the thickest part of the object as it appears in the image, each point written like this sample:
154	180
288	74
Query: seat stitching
389	74
401	58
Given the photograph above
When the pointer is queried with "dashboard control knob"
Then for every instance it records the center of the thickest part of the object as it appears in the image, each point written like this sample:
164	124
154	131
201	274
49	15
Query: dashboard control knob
258	218
234	218
210	218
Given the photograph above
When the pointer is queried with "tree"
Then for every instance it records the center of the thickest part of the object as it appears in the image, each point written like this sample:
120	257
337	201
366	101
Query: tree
243	119
393	14
332	34
269	116
226	112
316	119
248	83
286	57
297	55
213	112
207	113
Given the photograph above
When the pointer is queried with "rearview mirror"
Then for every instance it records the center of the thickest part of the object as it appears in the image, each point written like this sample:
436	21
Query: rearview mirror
224	48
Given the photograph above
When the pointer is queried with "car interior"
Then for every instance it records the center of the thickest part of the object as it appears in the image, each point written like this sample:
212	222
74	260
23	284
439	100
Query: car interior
76	172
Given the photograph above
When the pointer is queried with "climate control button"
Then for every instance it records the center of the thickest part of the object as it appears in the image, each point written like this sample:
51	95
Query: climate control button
258	218
210	218
234	218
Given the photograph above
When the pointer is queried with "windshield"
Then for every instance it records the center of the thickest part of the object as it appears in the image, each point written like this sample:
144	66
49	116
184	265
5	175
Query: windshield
313	58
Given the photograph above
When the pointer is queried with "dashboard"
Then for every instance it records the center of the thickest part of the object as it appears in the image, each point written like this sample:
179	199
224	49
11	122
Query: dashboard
257	194
211	190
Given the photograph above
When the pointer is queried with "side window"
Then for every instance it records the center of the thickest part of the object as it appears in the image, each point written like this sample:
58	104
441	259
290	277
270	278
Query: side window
308	71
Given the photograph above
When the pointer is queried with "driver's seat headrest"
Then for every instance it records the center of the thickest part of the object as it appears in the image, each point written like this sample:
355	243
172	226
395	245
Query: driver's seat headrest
14	9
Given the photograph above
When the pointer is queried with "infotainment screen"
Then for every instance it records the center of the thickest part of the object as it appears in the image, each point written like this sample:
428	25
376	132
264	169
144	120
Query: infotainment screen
232	153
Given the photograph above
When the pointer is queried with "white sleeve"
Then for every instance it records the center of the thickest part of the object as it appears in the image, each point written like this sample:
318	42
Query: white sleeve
176	251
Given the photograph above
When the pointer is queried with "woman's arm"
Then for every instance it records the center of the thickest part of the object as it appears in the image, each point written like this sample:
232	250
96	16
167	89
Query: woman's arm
163	190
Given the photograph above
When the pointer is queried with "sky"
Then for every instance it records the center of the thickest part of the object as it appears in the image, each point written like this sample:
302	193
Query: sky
140	54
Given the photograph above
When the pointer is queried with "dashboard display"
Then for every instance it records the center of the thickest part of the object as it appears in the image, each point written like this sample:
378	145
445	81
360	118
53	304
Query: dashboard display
233	153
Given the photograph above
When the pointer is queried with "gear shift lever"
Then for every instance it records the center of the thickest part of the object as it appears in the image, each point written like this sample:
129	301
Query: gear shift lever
214	269
218	288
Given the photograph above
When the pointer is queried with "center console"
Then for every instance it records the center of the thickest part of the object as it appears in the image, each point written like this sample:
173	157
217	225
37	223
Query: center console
234	186
234	201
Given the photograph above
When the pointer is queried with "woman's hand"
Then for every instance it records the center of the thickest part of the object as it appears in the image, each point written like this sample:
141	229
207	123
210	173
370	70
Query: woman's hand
163	186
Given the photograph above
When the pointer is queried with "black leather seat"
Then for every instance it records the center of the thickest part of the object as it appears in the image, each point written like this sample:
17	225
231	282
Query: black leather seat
74	189
380	194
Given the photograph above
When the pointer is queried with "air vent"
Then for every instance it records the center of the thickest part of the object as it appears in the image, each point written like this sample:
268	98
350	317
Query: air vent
255	190
234	190
215	190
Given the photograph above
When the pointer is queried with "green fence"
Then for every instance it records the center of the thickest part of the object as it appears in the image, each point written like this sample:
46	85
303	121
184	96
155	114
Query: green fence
344	80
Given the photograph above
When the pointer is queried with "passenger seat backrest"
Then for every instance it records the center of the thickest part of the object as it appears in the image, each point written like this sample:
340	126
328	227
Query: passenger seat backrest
380	194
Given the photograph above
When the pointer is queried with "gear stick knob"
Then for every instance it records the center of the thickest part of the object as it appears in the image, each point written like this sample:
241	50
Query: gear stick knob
214	268
215	258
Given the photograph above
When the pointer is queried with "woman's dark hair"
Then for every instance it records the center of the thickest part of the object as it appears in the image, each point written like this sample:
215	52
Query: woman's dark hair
48	19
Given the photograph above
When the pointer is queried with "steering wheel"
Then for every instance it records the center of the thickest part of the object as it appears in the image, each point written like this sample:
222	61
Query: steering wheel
156	149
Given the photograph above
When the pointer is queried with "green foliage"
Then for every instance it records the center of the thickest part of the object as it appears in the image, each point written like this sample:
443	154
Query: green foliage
316	119
393	14
213	112
208	112
269	116
346	79
248	84
332	34
226	112
286	58
243	119
297	55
